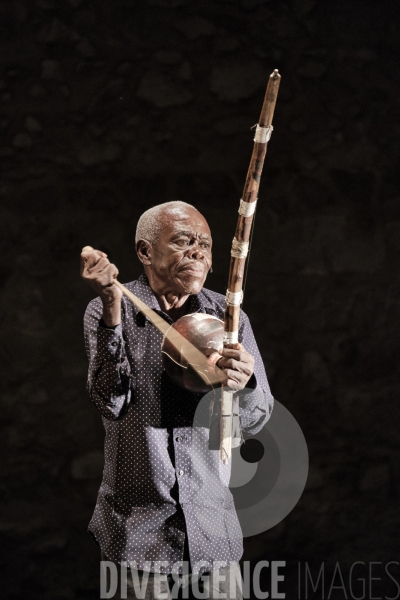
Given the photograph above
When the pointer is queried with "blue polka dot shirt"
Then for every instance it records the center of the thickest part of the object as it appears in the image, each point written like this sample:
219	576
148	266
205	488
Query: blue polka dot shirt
161	483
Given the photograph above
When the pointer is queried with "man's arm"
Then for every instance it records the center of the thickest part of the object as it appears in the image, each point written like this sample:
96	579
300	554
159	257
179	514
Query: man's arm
109	378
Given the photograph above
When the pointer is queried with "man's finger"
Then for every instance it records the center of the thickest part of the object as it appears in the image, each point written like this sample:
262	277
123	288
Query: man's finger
228	363
104	276
239	355
239	346
88	250
98	266
234	380
235	365
90	259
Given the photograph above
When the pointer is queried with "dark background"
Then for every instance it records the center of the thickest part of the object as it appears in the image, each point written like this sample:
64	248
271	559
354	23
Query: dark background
109	107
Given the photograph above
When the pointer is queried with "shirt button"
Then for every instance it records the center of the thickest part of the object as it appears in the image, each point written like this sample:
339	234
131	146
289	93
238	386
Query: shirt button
180	472
178	439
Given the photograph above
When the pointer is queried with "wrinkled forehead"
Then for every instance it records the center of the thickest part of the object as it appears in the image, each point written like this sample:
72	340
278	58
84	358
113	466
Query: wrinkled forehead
184	219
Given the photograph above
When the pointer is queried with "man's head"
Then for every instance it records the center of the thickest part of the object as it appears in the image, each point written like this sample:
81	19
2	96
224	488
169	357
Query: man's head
173	241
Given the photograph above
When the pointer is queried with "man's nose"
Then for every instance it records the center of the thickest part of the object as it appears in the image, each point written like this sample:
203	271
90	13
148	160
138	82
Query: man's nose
195	251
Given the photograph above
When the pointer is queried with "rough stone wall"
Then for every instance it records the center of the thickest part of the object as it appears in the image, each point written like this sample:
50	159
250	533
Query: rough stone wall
108	107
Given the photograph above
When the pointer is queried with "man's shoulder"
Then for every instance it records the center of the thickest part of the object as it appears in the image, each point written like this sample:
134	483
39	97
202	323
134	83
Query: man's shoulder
213	297
213	300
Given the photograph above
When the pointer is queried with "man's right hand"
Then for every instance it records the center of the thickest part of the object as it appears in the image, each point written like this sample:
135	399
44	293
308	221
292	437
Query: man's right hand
99	273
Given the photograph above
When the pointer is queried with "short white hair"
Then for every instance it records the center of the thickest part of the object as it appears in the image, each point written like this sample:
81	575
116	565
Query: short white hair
149	225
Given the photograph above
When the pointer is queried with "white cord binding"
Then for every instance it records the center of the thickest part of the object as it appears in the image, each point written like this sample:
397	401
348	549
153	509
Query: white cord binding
239	249
246	209
263	134
231	337
234	298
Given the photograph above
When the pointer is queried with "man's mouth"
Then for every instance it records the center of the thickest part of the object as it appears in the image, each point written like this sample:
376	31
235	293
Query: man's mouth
193	269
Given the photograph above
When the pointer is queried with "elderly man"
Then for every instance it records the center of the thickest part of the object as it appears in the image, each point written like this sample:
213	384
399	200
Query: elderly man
145	513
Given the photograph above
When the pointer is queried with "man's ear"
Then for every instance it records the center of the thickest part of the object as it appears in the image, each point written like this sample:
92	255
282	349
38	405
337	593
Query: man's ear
143	250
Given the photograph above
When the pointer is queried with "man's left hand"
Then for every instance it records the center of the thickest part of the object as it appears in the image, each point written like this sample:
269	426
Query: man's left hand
238	366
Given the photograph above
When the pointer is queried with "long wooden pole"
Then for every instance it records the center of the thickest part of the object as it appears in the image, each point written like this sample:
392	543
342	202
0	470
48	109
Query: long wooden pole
240	246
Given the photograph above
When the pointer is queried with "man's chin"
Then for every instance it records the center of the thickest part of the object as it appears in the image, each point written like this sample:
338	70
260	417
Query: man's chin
191	284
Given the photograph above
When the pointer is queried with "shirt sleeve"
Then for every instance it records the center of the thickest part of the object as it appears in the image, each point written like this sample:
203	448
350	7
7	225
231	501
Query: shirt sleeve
109	378
256	401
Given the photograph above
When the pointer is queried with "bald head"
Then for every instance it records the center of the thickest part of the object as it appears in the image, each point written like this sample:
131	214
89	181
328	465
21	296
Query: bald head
151	222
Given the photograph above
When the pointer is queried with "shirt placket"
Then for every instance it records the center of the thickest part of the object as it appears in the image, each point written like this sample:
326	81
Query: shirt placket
183	463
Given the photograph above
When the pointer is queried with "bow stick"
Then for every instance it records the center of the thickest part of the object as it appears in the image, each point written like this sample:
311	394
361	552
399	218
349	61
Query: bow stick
240	248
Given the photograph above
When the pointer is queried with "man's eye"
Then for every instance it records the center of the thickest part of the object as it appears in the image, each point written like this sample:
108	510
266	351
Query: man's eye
182	242
205	245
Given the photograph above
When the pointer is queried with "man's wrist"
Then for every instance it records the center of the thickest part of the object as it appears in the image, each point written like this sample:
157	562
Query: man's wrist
111	311
112	320
102	323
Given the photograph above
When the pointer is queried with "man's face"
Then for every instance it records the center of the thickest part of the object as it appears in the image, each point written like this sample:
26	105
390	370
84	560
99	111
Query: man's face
181	259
